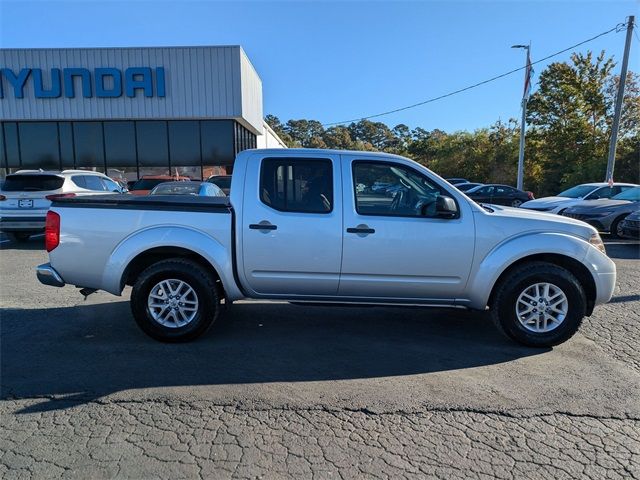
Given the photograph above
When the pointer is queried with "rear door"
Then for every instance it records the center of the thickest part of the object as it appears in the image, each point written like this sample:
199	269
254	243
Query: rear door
292	226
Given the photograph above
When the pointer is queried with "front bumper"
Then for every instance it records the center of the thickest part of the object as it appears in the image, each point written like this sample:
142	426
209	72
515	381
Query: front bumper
22	224
603	271
47	275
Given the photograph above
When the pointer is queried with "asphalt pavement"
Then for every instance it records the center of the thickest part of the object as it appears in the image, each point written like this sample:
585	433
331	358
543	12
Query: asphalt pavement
276	390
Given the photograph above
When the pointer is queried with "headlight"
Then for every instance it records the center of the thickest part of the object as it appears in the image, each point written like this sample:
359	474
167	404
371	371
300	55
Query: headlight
596	241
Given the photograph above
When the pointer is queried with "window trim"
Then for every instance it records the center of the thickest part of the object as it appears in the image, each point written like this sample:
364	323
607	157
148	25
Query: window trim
293	159
354	163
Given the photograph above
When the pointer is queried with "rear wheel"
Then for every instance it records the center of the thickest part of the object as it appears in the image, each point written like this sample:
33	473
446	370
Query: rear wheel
175	300
516	202
539	304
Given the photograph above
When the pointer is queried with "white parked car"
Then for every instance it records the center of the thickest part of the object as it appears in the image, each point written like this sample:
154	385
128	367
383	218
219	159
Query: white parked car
25	196
568	198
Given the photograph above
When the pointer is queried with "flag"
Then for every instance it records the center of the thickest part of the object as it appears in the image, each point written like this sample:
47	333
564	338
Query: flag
528	72
610	182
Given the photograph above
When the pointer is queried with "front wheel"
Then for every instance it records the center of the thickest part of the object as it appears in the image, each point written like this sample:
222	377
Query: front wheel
616	227
539	304
175	300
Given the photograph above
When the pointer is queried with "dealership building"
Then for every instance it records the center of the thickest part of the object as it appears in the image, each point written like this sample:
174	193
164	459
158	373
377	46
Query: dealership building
130	112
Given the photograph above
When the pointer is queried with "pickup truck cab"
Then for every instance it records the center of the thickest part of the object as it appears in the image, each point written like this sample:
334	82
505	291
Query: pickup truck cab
307	225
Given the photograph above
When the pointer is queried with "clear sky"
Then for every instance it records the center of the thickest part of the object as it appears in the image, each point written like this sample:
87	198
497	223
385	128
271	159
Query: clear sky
334	61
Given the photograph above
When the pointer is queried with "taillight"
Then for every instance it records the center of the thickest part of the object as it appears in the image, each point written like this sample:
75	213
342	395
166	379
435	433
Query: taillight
55	196
52	231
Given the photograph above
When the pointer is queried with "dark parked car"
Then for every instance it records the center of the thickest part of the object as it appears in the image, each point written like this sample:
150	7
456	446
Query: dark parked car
607	214
456	181
223	181
630	226
499	195
465	187
203	189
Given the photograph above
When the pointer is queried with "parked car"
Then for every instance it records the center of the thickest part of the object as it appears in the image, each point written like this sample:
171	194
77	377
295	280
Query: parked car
222	181
499	195
465	187
631	226
309	236
456	181
26	195
149	182
607	214
568	198
204	189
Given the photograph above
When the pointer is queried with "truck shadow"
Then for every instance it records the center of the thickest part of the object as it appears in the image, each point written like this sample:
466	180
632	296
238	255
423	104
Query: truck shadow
78	354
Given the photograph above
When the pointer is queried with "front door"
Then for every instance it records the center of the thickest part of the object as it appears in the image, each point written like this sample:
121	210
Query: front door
395	246
292	226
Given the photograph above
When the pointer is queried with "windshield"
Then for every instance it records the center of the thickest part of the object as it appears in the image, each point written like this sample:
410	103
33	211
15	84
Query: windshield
633	194
222	182
182	188
32	183
578	191
148	183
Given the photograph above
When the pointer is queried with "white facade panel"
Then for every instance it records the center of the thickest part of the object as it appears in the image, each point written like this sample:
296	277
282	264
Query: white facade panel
199	83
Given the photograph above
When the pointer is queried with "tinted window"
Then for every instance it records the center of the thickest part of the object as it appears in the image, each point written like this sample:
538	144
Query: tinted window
39	145
11	144
110	185
577	191
78	180
297	185
184	143
32	183
182	188
88	144
394	190
93	182
152	143
217	142
604	192
120	144
632	194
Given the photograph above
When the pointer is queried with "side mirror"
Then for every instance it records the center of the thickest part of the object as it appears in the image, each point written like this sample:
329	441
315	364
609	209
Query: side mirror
446	207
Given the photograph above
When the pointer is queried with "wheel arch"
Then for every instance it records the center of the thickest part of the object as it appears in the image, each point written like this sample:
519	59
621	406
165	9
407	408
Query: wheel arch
578	269
140	250
560	249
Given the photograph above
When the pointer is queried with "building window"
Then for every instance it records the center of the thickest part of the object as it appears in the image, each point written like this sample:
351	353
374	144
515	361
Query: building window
88	146
151	141
11	144
65	137
217	142
39	145
297	185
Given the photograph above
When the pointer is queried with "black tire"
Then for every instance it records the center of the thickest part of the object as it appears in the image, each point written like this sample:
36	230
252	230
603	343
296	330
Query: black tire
515	282
21	236
613	230
198	278
516	203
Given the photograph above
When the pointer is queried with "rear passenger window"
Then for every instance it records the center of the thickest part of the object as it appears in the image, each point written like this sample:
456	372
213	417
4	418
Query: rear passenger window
297	185
93	182
78	180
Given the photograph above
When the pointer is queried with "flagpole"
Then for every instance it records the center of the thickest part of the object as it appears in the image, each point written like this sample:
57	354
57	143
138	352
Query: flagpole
525	98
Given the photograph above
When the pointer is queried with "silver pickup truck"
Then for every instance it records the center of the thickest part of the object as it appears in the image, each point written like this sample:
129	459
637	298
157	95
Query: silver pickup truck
334	227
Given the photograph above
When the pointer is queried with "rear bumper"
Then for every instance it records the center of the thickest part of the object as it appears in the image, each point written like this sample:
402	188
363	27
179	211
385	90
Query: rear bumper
47	275
22	224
